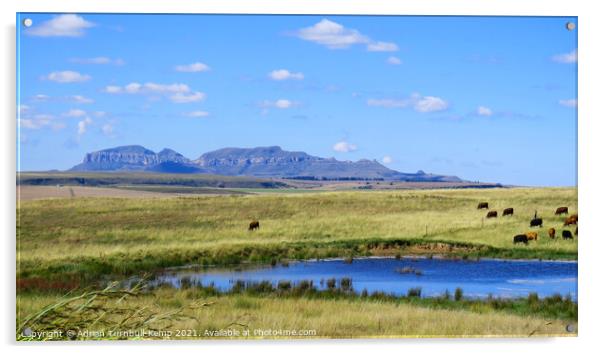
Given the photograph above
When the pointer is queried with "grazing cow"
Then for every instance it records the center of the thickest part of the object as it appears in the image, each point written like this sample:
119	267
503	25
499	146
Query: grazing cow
483	205
552	232
254	225
562	210
492	214
531	235
508	211
571	220
521	238
566	235
536	222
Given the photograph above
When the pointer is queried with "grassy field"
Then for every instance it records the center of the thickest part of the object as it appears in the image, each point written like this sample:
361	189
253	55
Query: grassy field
193	313
73	243
91	237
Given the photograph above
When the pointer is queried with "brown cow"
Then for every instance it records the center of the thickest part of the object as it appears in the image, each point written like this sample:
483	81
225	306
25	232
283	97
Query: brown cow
508	211
254	225
571	220
492	214
531	235
562	210
483	205
552	232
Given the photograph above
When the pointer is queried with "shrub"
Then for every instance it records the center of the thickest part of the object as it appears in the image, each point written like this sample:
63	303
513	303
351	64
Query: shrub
346	284
414	292
458	294
331	283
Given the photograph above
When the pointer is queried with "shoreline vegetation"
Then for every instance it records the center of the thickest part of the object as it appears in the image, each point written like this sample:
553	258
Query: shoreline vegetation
169	310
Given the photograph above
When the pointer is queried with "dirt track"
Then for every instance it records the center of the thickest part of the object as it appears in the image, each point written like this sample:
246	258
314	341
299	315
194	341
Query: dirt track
45	192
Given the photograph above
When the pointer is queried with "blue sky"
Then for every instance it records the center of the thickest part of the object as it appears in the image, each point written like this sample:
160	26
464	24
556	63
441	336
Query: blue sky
484	98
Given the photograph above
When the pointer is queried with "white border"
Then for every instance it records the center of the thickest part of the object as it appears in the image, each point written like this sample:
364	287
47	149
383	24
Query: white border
590	177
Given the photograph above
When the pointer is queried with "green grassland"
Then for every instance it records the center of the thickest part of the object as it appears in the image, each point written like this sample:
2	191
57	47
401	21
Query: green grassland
76	243
93	237
192	313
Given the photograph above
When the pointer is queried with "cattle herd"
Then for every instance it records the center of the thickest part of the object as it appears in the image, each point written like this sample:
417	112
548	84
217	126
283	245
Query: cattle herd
536	222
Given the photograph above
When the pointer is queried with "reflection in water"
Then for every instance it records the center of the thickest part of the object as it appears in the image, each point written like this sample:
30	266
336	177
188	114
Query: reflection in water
500	278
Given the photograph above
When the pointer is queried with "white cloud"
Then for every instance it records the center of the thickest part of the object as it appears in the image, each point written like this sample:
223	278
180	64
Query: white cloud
332	35
192	68
80	99
388	102
387	159
335	36
68	25
187	97
23	108
343	146
148	88
484	111
107	129
197	114
41	98
177	93
566	58
430	104
394	60
284	74
75	113
280	103
98	61
382	47
67	76
82	125
422	104
568	103
37	121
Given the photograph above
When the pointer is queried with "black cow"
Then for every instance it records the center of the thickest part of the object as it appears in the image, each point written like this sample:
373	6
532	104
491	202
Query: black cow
483	205
521	238
492	214
254	225
566	235
536	222
508	211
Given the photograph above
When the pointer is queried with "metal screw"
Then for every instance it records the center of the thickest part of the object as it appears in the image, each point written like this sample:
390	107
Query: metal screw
570	26
27	22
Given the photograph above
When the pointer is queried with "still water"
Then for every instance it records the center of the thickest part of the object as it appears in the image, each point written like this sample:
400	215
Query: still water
478	279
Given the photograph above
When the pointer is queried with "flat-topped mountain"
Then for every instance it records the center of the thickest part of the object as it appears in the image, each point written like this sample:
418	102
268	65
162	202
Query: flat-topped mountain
269	161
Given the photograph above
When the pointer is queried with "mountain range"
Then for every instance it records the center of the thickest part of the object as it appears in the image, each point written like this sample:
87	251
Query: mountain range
267	162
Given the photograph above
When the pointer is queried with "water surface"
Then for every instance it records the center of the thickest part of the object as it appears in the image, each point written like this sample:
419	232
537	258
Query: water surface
478	279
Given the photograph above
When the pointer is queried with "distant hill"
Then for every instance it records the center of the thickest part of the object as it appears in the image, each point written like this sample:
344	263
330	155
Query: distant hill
265	162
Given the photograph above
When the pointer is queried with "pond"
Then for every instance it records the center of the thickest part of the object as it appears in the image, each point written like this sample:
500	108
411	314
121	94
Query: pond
478	279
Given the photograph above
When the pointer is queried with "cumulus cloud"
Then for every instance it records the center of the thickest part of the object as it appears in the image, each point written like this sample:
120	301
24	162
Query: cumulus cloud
80	99
335	36
484	111
280	103
197	114
67	76
39	121
566	58
177	93
382	47
387	159
98	61
75	113
107	129
394	60
430	104
187	97
421	104
284	74
82	125
568	103
68	25
192	68
344	146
